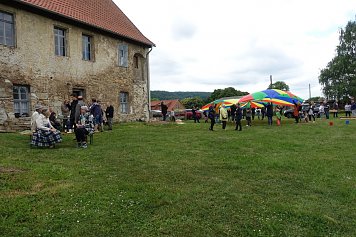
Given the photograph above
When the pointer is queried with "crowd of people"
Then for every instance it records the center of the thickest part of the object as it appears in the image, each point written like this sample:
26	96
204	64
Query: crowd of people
77	117
236	113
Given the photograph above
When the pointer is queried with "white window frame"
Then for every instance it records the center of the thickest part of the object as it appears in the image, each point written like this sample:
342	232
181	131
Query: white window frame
123	54
59	49
87	42
124	102
7	20
22	102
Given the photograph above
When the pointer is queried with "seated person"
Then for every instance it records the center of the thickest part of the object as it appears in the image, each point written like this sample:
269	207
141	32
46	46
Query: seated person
53	119
46	135
85	126
35	115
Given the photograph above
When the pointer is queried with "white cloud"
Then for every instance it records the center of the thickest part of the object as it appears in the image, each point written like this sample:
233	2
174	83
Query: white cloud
204	45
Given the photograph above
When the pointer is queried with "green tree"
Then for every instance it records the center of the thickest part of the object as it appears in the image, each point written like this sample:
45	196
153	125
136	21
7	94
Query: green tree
190	102
227	92
338	79
281	85
316	99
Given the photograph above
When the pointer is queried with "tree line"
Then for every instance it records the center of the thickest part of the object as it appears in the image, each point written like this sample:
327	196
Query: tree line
338	78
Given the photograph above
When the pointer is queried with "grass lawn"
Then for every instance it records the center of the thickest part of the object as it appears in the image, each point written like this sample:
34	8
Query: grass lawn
183	180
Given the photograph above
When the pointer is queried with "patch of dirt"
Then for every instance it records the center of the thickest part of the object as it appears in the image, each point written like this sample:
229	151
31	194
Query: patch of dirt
10	170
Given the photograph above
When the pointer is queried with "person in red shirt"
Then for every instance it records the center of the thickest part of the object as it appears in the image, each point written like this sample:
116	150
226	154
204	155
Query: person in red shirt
296	110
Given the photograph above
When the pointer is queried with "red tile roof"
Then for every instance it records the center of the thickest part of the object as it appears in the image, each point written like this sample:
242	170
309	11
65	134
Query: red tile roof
103	14
171	104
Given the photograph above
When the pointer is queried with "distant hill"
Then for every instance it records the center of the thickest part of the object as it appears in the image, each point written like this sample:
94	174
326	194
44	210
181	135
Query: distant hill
166	95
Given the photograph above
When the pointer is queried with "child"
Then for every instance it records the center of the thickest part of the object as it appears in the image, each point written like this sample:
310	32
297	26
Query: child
278	115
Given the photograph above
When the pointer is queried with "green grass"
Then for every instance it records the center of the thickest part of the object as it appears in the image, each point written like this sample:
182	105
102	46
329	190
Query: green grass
183	180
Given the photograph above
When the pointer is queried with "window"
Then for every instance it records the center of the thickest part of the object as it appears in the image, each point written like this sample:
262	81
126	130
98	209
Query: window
7	33
136	61
21	100
79	92
123	55
60	41
124	102
87	47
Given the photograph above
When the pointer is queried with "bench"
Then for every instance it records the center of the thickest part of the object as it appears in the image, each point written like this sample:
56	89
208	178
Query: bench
348	118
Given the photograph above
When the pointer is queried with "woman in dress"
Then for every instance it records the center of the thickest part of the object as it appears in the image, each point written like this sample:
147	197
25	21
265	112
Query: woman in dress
45	135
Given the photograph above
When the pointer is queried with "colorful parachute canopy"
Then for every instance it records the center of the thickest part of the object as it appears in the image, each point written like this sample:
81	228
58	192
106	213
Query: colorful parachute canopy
275	96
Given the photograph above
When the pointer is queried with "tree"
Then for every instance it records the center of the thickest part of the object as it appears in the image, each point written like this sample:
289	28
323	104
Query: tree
316	99
338	79
281	85
190	102
227	92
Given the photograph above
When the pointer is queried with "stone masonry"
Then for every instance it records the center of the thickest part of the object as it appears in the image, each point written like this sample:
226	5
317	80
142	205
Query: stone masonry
51	79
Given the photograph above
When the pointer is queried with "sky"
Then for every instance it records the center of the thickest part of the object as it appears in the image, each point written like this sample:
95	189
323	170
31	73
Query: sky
202	45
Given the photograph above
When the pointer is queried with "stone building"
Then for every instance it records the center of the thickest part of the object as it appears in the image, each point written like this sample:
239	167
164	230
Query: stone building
50	49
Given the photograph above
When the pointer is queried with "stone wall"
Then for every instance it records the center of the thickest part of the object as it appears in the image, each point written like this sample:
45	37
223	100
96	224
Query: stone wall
52	78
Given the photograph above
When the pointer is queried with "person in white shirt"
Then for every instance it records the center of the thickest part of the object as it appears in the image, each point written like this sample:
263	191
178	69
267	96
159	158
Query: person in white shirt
46	135
35	115
321	110
347	110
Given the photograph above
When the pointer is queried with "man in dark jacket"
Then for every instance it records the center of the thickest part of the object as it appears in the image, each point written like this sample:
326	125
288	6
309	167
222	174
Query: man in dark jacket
238	117
211	116
269	113
95	110
73	105
109	112
164	110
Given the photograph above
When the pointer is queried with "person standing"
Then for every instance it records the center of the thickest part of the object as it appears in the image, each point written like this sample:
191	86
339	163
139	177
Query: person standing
263	112
296	110
311	113
248	116
278	115
258	113
95	110
223	116
238	117
336	109
164	110
77	108
233	110
353	108
269	113
253	110
206	118
65	108
73	106
347	110
194	115
321	110
109	113
327	110
173	116
211	116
